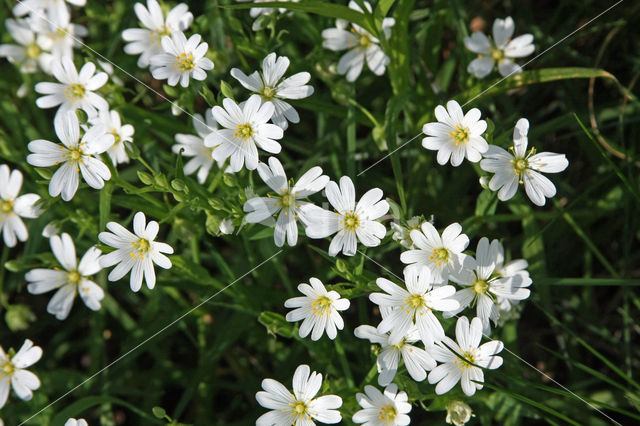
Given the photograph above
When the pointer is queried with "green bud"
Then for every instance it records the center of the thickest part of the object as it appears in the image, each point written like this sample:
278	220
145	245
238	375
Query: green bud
216	203
342	266
179	185
161	180
18	317
145	178
159	412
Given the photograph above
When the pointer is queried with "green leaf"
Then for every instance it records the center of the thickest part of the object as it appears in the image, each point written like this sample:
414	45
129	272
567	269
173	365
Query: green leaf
527	78
317	7
105	203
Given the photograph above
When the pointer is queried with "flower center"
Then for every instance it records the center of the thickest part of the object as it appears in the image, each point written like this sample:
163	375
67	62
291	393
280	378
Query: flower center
244	132
116	137
415	301
364	41
75	91
440	255
60	33
7	369
480	286
388	413
299	409
460	135
6	206
469	357
75	154
32	51
74	277
287	199
321	305
497	54
520	165
185	62
351	221
156	36
268	93
142	246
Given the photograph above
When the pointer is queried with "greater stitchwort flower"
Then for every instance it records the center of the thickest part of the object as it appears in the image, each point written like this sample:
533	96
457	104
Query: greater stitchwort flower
194	147
319	310
147	41
287	200
135	252
299	408
181	59
362	45
74	422
443	256
352	222
416	360
245	128
73	156
71	280
30	52
388	408
75	90
522	167
483	286
456	134
413	306
13	373
501	50
14	207
122	134
402	231
458	413
459	359
269	86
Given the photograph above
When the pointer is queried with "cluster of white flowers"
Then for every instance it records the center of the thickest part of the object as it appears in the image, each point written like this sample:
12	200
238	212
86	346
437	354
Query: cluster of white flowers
163	46
440	279
457	135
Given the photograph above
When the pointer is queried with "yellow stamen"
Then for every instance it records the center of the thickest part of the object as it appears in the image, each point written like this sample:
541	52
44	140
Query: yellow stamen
244	132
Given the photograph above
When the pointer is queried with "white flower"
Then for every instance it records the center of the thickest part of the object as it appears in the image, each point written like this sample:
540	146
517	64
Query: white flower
519	166
352	222
383	409
56	9
287	200
13	373
122	134
319	309
13	207
181	59
456	134
74	422
57	34
502	49
226	226
441	255
135	252
483	286
245	128
416	360
75	90
297	408
457	358
402	233
73	156
262	12
29	54
413	306
72	279
267	84
362	44
147	40
458	413
193	146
